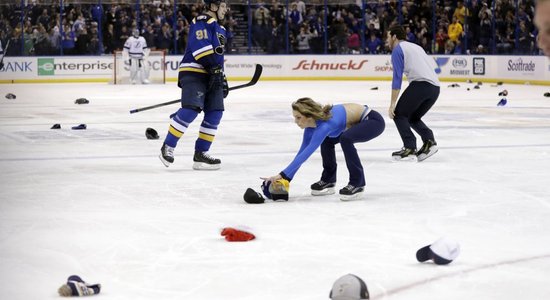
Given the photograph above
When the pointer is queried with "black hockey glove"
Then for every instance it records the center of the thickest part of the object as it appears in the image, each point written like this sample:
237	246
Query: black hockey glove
216	78
2	66
225	87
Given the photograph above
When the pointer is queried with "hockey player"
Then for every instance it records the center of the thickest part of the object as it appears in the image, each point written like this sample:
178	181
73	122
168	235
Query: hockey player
203	86
136	53
326	126
417	99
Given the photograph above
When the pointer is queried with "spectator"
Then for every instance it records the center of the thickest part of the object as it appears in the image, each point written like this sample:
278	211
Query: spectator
68	40
411	37
109	39
354	43
163	40
339	36
440	40
295	18
55	40
276	41
502	44
455	30
526	39
374	44
81	43
123	36
460	12
303	39
449	47
485	30
44	18
149	36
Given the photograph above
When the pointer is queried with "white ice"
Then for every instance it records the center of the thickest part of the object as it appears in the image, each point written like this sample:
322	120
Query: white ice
98	202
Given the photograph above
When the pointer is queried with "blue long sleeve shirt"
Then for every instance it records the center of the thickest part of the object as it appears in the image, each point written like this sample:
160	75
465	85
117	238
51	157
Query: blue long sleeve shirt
314	137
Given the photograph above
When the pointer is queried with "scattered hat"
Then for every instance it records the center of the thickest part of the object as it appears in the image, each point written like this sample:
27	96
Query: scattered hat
547	94
349	287
75	286
56	126
277	190
442	252
499	83
454	85
151	134
476	87
10	96
253	197
502	102
469	81
503	93
81	101
79	127
479	83
237	234
374	88
468	89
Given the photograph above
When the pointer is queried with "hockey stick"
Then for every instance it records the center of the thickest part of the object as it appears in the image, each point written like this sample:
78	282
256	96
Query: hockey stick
255	78
5	51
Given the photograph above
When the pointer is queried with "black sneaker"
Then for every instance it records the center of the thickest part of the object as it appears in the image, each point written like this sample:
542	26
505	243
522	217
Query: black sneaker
321	188
166	155
404	154
428	149
204	161
350	192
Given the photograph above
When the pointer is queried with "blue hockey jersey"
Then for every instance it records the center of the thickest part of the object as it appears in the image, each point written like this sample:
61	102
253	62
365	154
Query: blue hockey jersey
205	46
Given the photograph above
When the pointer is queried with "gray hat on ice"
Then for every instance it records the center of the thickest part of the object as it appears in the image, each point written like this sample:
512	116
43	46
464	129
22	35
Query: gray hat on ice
349	287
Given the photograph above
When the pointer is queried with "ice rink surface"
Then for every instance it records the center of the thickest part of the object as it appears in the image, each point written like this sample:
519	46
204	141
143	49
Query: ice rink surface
98	202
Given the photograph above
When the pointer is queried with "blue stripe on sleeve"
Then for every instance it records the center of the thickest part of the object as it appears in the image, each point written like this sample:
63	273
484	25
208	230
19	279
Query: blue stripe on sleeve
398	62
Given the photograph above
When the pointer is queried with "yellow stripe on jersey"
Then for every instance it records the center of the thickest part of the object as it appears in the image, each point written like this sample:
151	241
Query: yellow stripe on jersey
205	53
193	70
175	132
206	137
211	20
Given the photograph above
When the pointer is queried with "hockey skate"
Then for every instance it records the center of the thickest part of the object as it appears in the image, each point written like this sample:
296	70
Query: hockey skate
145	81
166	155
405	154
203	161
350	192
321	188
428	149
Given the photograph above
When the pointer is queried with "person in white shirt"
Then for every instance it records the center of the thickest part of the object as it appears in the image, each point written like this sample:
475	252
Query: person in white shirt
417	99
136	53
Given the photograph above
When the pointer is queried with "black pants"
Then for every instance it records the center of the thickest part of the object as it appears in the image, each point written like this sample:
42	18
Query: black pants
370	127
413	104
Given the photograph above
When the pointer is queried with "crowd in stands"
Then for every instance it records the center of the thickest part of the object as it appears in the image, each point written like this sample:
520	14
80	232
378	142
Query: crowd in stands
480	27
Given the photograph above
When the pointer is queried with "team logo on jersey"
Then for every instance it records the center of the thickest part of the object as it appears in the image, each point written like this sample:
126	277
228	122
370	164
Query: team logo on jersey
222	41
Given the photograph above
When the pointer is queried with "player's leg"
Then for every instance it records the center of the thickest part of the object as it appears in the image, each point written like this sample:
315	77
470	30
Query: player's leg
134	68
213	113
207	133
372	126
192	94
429	147
145	70
407	104
325	186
